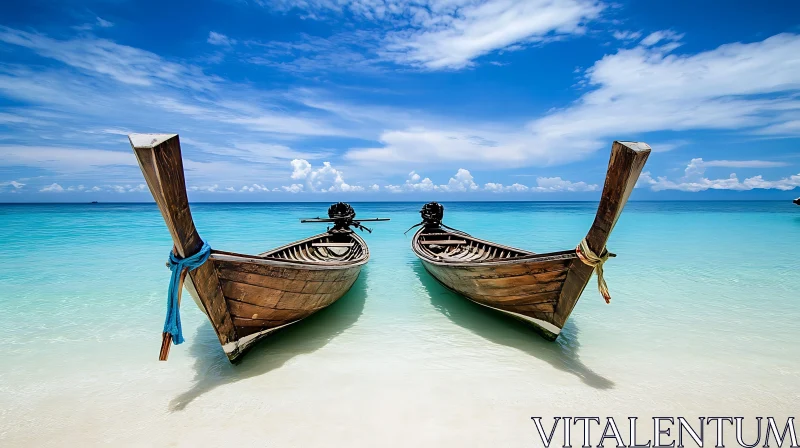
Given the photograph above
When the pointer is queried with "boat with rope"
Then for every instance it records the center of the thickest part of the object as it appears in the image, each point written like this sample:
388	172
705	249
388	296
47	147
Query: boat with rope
538	288
246	297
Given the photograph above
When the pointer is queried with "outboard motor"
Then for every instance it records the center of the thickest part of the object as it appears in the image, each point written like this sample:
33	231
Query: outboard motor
342	215
432	214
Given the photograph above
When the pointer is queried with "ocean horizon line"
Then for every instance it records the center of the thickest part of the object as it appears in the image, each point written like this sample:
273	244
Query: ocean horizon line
396	202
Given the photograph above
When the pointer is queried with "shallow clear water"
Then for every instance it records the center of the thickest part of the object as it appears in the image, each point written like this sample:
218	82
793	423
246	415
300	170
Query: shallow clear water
704	320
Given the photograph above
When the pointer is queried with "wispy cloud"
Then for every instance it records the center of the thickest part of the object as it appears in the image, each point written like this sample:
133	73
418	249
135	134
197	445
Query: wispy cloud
645	89
123	63
11	185
436	35
751	88
98	23
215	38
695	180
451	37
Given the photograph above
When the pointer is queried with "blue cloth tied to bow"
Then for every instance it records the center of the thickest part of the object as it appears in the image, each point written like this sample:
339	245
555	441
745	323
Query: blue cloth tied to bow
172	325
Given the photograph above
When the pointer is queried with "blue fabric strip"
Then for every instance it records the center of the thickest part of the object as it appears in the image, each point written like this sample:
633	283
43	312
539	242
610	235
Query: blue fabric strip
172	325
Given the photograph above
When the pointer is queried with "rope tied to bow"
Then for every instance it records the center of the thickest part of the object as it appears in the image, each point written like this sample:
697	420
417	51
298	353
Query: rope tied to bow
590	258
172	324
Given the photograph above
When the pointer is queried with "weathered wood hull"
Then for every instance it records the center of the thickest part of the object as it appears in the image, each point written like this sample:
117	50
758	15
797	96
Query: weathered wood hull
528	291
247	297
265	297
539	289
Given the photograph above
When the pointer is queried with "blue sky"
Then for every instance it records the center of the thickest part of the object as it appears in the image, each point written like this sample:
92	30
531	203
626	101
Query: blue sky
279	100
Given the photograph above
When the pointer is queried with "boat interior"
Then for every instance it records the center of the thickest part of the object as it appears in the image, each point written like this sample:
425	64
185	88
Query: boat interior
326	248
453	246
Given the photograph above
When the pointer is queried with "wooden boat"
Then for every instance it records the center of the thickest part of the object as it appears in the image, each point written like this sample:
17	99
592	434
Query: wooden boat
540	289
247	297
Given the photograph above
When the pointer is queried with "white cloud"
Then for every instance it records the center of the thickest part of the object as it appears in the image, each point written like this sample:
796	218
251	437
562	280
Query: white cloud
52	188
324	179
517	188
495	148
660	36
13	184
543	185
461	182
627	35
64	160
667	146
294	188
450	35
251	188
699	162
114	188
500	188
493	187
215	38
645	89
253	151
207	188
694	178
464	182
556	184
125	64
300	169
98	23
749	88
414	183
434	34
126	188
104	23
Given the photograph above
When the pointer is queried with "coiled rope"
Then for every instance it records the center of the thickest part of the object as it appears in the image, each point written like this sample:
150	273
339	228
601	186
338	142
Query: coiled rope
590	258
172	324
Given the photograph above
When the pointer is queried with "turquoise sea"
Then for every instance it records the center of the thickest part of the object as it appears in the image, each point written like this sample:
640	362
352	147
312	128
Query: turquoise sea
705	319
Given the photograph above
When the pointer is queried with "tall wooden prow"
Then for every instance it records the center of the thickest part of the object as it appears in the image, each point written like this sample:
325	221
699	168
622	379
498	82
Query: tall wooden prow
624	167
159	157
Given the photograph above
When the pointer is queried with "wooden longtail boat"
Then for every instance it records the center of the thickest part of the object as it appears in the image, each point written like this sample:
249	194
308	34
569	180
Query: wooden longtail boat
247	297
540	289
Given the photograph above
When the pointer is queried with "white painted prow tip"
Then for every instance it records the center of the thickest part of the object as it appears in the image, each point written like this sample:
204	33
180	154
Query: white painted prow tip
637	146
149	140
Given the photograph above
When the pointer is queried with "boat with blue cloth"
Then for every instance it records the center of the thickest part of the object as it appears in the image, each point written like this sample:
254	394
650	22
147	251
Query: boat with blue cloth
246	297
